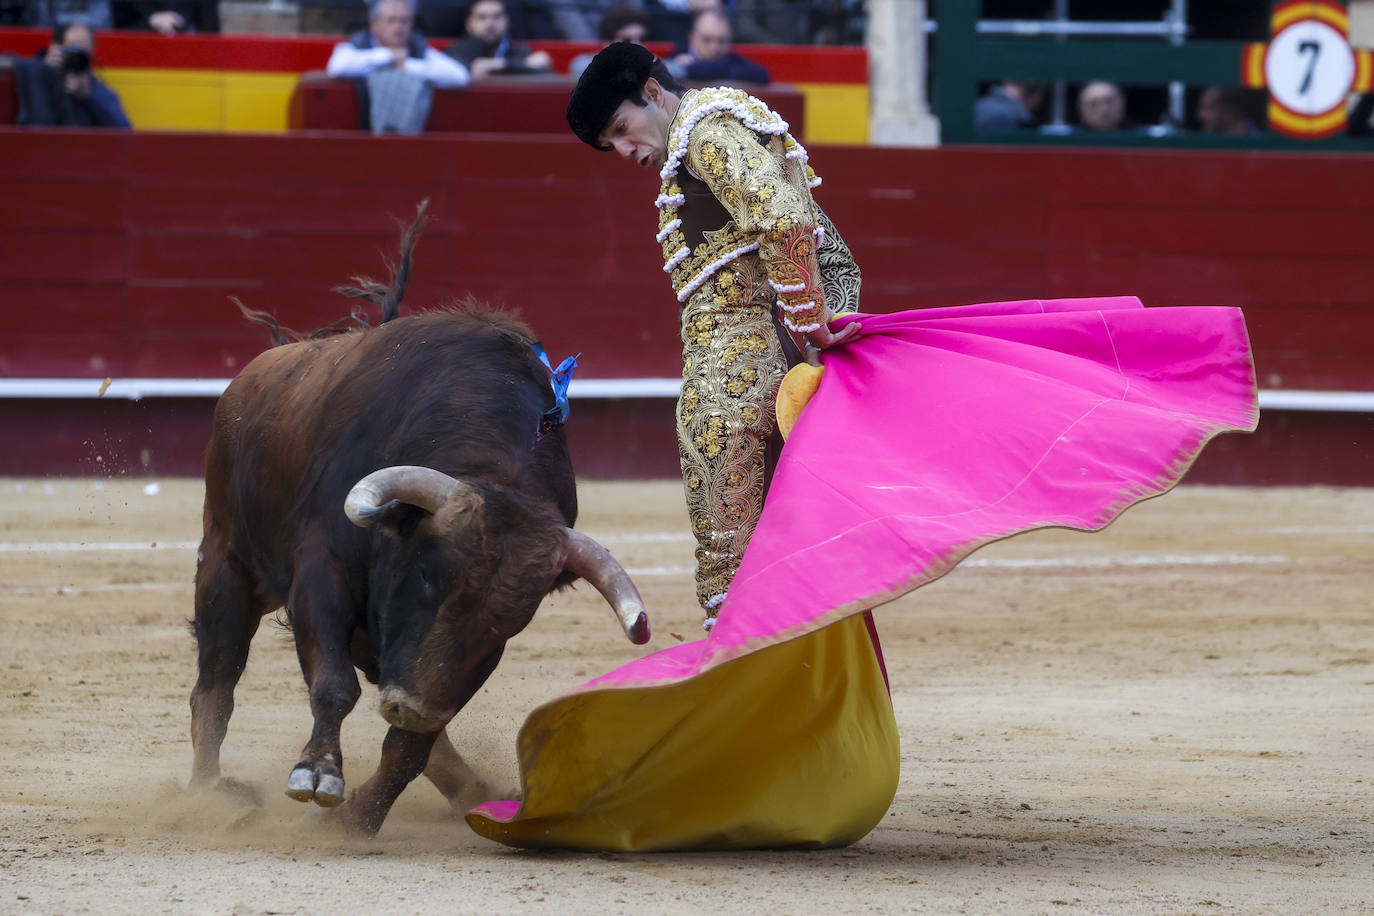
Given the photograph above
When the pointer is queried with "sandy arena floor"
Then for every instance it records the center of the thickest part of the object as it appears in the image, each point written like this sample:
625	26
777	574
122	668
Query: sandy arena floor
1172	716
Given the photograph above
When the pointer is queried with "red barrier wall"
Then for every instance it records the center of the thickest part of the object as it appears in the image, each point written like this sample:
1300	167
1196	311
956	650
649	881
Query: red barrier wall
118	250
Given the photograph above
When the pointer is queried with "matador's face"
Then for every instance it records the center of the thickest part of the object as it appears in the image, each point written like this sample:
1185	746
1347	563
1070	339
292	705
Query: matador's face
639	133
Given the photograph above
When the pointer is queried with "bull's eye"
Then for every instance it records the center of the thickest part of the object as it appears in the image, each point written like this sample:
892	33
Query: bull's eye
431	580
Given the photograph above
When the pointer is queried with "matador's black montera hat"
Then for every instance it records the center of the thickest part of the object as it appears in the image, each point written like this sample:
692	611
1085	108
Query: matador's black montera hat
618	72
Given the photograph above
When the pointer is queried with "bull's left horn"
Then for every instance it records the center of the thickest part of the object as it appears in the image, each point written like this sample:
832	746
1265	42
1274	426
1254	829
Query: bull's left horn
407	483
594	563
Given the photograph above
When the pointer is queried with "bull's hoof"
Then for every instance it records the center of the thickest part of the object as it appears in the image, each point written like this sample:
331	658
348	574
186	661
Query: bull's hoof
316	782
240	792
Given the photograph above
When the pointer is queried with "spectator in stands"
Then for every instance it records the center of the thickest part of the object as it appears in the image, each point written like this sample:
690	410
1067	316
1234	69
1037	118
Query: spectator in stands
168	17
626	22
776	22
396	70
1362	117
673	18
487	48
708	58
1102	108
580	20
59	90
1008	106
1221	110
94	14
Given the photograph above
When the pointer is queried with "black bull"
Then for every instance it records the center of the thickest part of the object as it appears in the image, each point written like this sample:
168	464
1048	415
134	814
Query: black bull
393	490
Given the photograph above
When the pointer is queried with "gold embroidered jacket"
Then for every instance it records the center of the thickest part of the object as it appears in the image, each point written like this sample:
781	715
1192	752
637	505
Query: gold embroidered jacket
749	187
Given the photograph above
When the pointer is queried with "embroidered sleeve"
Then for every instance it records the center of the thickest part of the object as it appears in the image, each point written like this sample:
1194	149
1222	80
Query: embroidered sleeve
839	272
752	183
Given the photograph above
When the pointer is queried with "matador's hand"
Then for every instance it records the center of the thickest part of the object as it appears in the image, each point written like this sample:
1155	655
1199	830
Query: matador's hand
823	337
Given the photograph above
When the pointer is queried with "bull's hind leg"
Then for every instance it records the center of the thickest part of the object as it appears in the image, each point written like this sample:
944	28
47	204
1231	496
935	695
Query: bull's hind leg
228	611
452	776
322	618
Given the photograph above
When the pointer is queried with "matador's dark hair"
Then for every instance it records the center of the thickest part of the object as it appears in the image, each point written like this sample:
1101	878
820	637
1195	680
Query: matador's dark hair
618	72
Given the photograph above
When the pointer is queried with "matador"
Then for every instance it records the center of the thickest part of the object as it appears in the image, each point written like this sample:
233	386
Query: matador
758	268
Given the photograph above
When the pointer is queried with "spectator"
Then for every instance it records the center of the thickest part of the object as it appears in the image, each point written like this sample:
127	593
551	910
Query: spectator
708	58
396	70
1361	124
487	48
59	90
168	17
622	23
448	18
776	22
1221	110
1102	108
673	18
94	14
578	20
1008	106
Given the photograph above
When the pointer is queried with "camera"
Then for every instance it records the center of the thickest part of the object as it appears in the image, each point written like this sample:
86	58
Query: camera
76	60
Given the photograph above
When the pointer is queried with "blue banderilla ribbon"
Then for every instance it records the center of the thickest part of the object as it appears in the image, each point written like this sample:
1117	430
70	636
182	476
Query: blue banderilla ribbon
559	379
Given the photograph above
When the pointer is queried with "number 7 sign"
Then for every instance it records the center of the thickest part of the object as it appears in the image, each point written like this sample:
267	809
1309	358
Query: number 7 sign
1308	67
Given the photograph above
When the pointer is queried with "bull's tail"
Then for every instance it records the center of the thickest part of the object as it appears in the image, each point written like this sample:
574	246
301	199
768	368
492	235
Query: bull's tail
388	296
279	334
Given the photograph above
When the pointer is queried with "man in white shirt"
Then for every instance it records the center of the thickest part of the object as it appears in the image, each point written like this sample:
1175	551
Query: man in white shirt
397	71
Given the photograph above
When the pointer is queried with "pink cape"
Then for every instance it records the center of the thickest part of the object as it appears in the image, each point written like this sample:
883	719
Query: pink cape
938	431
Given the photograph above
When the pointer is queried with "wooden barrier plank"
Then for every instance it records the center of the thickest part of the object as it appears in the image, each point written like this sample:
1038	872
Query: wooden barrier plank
1221	233
1209	179
66	204
67	257
54	308
70	353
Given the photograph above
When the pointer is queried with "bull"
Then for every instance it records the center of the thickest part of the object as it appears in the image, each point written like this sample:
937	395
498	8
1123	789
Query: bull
401	492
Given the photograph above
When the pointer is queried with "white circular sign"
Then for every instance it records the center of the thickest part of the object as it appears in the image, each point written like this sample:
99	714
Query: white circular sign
1309	67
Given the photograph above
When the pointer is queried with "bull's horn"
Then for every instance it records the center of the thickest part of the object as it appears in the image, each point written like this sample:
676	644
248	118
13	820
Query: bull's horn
406	483
594	563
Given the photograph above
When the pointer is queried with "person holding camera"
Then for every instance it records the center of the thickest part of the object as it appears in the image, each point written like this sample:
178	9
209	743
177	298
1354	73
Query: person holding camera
59	89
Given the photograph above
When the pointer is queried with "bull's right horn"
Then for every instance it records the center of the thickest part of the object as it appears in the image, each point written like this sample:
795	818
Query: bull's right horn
425	488
594	563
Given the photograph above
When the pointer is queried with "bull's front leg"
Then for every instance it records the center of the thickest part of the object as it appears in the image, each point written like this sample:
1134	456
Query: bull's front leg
323	623
404	755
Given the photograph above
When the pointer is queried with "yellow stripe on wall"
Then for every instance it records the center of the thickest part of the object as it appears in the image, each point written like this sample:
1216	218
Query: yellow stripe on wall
233	100
211	100
836	112
258	101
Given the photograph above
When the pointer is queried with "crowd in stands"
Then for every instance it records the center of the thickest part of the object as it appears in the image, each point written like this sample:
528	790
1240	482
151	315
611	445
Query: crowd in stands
754	21
397	70
170	17
1100	107
397	66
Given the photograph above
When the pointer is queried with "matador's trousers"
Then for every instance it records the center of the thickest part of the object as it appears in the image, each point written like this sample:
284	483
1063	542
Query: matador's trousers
733	359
